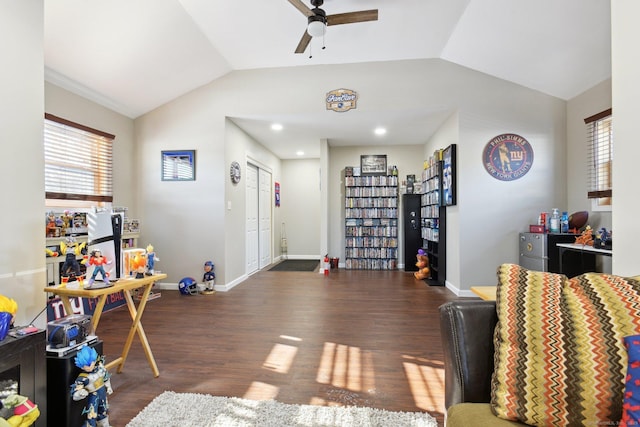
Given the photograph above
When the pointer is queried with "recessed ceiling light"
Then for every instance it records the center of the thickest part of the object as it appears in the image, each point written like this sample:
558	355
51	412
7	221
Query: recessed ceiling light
300	153
276	126
380	131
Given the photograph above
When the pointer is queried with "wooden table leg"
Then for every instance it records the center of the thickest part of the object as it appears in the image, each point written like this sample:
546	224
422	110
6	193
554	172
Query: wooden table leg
136	326
67	304
97	312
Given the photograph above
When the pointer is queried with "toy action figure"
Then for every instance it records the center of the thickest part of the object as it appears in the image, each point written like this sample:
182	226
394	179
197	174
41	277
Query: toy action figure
51	227
18	411
67	222
8	309
209	278
151	260
99	262
95	383
71	267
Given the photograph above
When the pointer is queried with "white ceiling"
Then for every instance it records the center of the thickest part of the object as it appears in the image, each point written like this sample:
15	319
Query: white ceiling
135	55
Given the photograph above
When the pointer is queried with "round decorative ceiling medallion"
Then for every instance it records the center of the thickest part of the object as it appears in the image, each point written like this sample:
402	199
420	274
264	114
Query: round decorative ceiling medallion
507	157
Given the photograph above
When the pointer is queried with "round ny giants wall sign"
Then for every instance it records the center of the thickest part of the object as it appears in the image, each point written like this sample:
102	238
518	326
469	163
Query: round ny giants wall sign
507	157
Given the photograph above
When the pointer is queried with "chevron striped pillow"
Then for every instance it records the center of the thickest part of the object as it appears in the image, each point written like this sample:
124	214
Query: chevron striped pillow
560	358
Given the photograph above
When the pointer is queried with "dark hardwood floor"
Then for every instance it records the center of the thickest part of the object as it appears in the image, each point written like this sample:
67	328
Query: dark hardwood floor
365	338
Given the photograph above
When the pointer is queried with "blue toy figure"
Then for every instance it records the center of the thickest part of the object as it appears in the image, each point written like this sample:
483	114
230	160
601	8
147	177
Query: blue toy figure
94	382
151	260
209	278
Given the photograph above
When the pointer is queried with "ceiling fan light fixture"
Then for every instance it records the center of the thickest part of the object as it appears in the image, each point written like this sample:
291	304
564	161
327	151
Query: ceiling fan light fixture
317	26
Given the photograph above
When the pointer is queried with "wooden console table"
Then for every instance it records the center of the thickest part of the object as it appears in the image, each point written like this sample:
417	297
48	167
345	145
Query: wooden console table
487	293
127	286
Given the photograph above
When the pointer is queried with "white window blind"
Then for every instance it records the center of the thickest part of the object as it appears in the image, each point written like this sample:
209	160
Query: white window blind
78	161
600	156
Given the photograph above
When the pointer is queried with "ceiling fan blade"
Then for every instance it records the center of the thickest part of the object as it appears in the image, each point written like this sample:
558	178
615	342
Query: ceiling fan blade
304	42
351	17
301	7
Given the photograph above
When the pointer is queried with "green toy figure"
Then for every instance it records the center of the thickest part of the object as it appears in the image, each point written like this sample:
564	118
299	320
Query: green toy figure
93	383
18	411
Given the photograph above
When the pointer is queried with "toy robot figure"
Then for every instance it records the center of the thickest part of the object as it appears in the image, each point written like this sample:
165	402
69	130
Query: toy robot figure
71	267
209	278
151	260
93	383
99	261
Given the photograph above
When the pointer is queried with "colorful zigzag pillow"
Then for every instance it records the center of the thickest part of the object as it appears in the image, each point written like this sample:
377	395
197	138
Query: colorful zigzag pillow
560	358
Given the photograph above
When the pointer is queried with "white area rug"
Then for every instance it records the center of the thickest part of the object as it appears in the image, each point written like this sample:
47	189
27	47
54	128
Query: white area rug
199	410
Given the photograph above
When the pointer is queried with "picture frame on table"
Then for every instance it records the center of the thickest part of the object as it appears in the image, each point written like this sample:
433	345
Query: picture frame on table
449	175
178	165
373	164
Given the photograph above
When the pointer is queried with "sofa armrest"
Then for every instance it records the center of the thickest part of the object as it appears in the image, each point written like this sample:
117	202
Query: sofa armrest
467	328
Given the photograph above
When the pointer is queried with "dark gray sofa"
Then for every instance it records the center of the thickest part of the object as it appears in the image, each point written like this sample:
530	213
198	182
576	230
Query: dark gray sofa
467	328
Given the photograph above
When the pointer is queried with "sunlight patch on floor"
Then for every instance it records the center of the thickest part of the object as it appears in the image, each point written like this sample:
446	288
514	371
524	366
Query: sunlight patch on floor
261	391
346	367
280	358
425	376
290	338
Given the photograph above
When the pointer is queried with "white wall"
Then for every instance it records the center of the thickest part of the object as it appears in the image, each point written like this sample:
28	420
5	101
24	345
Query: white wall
67	105
447	134
591	102
494	212
187	220
407	158
587	104
300	209
22	258
240	147
626	93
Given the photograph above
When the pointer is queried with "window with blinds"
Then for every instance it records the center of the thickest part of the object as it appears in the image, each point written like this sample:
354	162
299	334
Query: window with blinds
78	164
600	157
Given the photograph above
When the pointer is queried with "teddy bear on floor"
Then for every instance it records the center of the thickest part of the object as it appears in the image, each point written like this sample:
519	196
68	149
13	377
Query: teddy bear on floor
423	265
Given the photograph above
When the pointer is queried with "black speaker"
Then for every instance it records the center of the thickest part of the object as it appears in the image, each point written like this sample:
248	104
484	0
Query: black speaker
61	373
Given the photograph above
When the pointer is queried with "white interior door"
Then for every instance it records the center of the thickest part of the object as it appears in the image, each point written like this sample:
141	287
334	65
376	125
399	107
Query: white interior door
264	225
253	238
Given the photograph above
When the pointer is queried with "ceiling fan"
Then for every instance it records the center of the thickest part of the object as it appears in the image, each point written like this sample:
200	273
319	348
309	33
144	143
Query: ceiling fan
318	20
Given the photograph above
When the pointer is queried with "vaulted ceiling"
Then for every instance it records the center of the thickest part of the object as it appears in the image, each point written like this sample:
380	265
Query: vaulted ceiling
135	55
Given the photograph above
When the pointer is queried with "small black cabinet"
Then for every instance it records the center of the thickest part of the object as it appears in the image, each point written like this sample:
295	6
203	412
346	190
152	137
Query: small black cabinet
23	360
61	373
412	230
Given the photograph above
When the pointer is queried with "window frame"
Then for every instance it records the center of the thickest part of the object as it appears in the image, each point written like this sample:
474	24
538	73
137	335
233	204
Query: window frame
100	167
600	160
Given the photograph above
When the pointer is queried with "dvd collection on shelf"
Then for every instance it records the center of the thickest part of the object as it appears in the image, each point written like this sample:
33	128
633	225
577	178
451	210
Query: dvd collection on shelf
371	222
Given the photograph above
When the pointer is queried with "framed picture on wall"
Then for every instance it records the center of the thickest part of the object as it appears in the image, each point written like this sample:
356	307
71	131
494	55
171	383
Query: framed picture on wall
375	164
179	165
449	175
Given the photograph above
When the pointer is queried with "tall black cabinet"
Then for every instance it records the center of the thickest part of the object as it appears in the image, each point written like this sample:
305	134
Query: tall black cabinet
434	220
412	230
